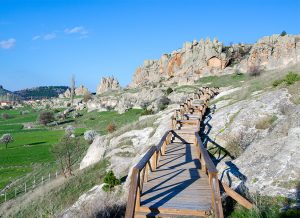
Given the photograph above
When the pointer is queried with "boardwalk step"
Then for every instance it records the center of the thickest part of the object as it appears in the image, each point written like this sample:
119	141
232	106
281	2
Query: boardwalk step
140	214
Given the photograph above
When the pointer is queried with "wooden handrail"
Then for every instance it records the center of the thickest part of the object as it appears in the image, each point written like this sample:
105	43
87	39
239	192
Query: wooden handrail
209	165
136	184
236	196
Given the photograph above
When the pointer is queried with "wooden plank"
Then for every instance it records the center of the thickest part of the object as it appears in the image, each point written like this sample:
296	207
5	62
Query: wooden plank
175	211
236	196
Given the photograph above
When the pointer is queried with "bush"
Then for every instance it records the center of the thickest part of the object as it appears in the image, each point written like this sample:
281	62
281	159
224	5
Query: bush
163	103
147	112
254	71
46	117
291	78
169	91
278	82
110	181
111	128
90	135
283	33
86	96
5	116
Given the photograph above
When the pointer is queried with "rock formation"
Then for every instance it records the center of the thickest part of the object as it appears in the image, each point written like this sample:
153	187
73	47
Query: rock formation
197	59
79	91
275	51
108	84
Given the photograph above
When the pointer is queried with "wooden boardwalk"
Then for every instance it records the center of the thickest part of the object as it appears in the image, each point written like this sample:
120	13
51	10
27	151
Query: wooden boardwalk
177	183
177	177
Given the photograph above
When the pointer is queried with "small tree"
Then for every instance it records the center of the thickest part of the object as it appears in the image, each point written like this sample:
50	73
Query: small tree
111	128
90	135
5	116
110	181
6	139
66	152
46	117
86	96
283	33
70	130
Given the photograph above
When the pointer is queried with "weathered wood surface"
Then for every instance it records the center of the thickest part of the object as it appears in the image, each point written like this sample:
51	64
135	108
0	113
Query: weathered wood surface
178	183
177	177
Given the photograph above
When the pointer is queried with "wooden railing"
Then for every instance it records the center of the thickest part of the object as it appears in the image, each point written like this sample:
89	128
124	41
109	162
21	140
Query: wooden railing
141	171
150	161
209	168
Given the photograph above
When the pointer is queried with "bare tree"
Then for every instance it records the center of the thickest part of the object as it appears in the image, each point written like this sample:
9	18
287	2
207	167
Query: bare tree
72	89
66	152
6	139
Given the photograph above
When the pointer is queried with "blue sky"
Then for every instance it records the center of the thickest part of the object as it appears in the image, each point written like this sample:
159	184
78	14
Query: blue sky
44	42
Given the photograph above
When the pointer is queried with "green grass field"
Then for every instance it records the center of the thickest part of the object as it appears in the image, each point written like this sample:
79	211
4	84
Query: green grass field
31	147
100	120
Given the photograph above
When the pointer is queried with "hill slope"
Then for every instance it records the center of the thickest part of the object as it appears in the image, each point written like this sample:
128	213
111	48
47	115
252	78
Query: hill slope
41	92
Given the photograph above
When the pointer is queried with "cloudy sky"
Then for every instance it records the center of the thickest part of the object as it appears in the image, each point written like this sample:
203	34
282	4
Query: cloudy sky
44	42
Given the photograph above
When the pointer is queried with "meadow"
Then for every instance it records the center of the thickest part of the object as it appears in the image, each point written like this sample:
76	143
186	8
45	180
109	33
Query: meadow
30	152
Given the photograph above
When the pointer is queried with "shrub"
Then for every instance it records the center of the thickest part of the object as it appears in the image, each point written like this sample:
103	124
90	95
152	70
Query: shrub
163	103
6	139
110	181
111	128
46	117
24	112
254	71
147	112
86	96
90	135
169	91
278	82
291	78
283	33
265	122
5	116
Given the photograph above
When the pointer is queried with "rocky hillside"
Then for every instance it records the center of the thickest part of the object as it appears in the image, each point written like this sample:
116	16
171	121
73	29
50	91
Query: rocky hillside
253	130
205	57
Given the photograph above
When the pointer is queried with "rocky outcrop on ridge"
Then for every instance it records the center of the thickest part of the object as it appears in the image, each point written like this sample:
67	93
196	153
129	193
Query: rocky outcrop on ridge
203	58
79	91
275	51
108	84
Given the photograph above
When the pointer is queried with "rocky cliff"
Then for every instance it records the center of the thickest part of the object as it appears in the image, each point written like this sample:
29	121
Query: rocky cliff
205	57
108	84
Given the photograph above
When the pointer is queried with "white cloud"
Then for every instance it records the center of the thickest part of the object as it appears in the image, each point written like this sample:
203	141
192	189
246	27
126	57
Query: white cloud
7	44
77	30
49	36
36	37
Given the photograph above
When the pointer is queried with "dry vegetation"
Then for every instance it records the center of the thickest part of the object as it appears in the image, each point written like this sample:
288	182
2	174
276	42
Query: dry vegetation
265	122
